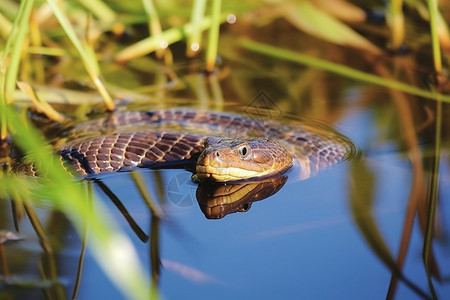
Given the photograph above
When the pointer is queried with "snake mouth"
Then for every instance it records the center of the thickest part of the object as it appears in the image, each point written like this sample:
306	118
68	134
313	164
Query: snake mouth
234	174
224	174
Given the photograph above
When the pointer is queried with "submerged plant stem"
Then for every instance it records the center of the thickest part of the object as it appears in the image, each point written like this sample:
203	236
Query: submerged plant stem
433	197
155	257
417	194
145	194
82	256
51	271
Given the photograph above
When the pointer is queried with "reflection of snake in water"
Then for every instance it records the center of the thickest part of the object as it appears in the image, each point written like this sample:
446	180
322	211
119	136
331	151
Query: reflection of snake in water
218	200
227	147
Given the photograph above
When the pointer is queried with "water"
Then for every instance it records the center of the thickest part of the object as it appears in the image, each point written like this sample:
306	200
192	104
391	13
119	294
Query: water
313	239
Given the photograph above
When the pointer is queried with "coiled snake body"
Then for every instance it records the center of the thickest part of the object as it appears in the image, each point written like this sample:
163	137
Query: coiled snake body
226	147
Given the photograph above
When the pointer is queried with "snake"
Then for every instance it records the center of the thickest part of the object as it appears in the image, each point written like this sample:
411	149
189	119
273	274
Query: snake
222	147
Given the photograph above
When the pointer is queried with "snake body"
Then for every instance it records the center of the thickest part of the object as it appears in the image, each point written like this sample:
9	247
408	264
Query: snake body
109	153
153	139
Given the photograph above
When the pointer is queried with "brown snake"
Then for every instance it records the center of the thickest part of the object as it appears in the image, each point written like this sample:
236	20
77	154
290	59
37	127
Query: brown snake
227	147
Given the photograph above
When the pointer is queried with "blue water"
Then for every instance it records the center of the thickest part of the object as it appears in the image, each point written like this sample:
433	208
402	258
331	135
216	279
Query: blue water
301	243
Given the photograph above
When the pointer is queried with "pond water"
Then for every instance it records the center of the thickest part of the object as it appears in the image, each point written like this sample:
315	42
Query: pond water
336	235
313	239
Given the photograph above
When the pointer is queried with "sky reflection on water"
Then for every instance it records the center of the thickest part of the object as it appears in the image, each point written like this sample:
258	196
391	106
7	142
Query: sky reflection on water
300	243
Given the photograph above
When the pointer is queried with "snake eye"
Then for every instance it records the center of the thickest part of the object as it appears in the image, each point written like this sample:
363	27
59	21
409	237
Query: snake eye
243	151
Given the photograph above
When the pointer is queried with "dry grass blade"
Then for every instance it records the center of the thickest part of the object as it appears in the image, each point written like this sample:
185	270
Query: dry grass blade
309	18
396	22
40	104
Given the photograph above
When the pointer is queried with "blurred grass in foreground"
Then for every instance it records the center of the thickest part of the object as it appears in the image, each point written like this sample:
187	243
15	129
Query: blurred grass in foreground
111	248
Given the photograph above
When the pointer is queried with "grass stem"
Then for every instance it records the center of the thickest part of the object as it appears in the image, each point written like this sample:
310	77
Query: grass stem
339	69
88	60
195	39
433	11
213	37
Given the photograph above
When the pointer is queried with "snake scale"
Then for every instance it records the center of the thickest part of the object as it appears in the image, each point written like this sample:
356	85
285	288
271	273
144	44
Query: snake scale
157	138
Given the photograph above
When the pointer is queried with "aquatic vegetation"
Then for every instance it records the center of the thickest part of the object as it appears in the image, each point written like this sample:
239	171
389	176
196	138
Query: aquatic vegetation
71	59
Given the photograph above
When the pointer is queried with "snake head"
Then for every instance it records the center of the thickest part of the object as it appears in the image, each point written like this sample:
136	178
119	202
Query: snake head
229	160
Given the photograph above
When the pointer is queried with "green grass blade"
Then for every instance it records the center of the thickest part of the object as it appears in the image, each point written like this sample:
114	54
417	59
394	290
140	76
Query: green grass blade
111	248
102	11
154	25
168	36
433	11
338	69
88	60
197	15
213	38
396	22
12	53
13	49
9	8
